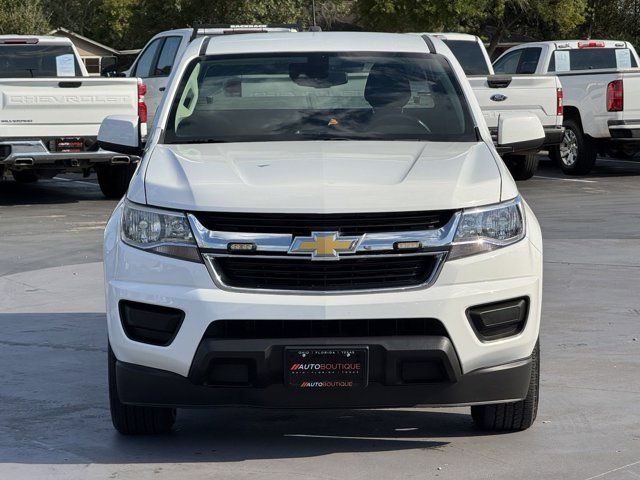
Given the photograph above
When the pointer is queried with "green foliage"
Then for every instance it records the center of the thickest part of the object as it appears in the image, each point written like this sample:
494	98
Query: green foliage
619	19
22	17
536	18
417	16
127	24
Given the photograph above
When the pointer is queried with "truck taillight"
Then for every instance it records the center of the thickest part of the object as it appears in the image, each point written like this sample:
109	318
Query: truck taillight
559	102
615	96
142	107
591	44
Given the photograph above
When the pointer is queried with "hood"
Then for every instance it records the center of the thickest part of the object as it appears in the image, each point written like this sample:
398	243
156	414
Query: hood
322	176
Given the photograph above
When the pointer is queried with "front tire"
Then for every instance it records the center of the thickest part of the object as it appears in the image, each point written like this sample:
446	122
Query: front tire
114	179
522	167
577	153
512	416
132	419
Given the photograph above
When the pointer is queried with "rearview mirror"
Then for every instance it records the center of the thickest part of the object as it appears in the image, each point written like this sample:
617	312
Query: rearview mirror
121	134
519	133
316	73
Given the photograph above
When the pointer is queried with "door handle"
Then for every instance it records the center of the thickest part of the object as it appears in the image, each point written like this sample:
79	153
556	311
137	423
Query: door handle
69	84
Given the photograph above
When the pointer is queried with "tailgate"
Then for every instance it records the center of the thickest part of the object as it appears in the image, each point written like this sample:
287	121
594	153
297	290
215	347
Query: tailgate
631	82
530	94
73	106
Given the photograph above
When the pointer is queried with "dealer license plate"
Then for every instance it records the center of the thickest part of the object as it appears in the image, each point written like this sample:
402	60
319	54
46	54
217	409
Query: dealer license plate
326	367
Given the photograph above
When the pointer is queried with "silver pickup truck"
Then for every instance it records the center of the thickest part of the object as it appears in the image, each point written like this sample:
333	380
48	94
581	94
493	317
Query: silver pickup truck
51	110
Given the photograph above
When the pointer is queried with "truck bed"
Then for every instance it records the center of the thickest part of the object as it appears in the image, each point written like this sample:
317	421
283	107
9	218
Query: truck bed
587	92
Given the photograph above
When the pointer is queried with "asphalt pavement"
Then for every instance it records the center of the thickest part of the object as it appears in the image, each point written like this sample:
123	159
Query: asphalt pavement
54	415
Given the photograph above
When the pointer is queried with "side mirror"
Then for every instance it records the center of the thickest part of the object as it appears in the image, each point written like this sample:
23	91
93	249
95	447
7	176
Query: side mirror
121	134
109	67
519	133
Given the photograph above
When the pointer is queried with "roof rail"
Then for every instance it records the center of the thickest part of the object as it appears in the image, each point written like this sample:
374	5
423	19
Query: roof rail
227	29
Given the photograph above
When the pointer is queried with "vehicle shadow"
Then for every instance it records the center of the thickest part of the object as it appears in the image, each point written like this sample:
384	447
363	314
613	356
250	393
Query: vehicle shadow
54	409
46	192
605	167
240	434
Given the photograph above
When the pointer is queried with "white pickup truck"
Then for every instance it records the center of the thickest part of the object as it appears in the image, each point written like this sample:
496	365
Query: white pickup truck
601	83
155	63
51	111
321	220
500	95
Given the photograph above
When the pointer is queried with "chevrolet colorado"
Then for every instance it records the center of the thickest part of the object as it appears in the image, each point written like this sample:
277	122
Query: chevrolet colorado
601	84
51	111
321	220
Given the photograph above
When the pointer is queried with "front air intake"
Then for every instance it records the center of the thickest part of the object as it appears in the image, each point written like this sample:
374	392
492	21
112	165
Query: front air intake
152	324
499	320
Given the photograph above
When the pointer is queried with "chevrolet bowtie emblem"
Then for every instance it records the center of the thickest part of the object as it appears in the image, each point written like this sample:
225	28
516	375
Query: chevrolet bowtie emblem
324	245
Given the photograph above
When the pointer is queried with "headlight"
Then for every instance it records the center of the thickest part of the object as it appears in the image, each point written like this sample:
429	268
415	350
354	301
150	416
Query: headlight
159	231
488	228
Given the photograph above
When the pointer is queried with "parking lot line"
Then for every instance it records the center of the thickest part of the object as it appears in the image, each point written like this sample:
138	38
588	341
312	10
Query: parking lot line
614	470
76	181
615	160
566	179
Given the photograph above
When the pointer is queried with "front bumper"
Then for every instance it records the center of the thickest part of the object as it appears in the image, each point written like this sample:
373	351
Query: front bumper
34	154
139	385
479	371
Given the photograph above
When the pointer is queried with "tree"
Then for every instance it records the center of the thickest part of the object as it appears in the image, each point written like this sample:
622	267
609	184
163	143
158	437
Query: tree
543	18
417	16
618	19
76	15
114	28
23	17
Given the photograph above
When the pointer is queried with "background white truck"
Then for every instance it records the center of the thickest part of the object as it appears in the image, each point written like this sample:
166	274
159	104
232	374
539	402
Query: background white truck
601	84
155	63
507	94
51	111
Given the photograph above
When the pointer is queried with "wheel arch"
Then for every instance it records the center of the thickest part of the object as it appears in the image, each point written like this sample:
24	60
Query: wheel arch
572	113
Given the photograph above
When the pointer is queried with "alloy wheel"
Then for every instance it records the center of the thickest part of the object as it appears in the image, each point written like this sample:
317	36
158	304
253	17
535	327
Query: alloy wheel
569	148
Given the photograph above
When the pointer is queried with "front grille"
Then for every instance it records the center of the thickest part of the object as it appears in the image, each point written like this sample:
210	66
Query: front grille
377	327
352	273
304	224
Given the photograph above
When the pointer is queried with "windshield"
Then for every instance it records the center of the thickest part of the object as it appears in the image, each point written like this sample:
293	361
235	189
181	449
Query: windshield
319	96
37	61
470	56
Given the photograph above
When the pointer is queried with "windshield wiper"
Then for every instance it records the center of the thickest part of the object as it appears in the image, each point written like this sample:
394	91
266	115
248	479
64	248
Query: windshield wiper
201	140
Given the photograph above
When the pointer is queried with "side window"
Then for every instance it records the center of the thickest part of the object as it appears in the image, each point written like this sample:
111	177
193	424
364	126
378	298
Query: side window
146	60
508	63
167	56
529	61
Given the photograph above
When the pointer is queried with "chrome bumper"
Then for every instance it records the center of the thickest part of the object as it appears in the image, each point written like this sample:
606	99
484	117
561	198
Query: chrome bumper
30	153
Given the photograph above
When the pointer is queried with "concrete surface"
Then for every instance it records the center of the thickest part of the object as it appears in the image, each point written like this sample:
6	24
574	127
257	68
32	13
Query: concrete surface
54	417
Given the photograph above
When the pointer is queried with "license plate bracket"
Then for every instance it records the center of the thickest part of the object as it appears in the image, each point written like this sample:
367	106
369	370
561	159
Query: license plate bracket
326	367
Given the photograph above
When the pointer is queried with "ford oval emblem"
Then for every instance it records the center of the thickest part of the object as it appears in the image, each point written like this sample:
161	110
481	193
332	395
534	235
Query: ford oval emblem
498	97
